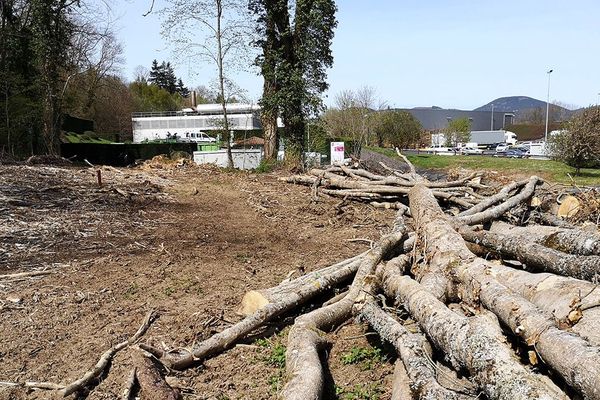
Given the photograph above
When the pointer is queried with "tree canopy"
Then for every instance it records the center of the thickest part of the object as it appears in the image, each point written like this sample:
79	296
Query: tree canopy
398	128
579	144
295	45
458	131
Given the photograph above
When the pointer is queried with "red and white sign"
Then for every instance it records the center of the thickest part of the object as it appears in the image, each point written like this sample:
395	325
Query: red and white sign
337	152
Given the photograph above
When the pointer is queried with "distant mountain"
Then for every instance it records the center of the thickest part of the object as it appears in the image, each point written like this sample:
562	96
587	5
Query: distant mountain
515	103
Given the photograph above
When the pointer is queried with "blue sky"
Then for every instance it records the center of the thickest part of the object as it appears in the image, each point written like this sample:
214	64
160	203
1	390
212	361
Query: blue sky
459	53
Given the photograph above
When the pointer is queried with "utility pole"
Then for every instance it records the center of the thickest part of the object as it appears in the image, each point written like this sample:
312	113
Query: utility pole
547	106
492	121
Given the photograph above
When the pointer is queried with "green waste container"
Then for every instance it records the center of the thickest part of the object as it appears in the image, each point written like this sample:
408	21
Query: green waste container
208	147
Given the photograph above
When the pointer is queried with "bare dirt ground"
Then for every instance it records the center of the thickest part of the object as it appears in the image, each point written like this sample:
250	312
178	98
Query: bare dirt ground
187	242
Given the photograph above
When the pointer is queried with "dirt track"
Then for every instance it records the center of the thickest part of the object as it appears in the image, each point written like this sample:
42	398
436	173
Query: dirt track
187	242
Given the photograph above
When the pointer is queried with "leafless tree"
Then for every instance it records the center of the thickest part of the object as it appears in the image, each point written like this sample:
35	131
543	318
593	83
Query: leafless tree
215	32
354	115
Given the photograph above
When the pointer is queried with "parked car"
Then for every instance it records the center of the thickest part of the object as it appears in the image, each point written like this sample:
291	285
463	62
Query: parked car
470	151
502	147
516	153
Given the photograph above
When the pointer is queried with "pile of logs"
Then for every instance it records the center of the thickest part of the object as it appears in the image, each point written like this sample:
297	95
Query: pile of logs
442	273
479	289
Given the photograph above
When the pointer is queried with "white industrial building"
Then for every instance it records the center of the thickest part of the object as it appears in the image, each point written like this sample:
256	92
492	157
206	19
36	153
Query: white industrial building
149	126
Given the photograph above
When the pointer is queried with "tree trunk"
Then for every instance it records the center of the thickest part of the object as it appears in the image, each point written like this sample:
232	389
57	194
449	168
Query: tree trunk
414	352
573	303
581	371
304	340
289	295
475	343
269	124
536	256
574	241
152	384
497	211
220	60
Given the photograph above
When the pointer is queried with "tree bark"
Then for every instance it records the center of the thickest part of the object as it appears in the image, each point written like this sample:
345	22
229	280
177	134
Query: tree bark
523	318
297	293
152	384
574	241
324	279
305	338
475	343
497	211
536	256
573	303
414	351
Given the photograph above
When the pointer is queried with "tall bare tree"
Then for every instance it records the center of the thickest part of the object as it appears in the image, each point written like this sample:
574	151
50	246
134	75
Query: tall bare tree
213	31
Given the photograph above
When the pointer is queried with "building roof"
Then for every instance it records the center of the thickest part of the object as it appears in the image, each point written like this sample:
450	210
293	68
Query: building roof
433	119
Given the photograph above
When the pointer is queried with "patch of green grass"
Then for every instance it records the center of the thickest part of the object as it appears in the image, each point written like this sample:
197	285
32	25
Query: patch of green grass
131	290
276	382
372	391
266	166
169	291
366	356
275	357
548	169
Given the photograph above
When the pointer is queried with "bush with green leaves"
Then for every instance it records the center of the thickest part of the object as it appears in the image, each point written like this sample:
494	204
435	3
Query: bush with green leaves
579	144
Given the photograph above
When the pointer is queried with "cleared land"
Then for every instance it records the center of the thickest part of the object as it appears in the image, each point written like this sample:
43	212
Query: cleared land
187	242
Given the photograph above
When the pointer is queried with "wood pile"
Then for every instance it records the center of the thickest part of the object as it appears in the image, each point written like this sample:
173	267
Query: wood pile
512	312
515	333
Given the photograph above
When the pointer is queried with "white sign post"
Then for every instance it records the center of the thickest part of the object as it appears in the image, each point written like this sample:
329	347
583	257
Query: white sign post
337	153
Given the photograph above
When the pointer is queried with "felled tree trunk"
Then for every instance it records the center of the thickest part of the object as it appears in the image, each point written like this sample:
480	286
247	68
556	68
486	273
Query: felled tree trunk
574	241
495	212
581	370
503	195
414	351
475	343
432	229
152	384
537	256
574	303
305	339
296	292
324	279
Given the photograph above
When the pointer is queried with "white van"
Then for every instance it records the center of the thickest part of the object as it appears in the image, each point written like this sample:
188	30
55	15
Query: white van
197	137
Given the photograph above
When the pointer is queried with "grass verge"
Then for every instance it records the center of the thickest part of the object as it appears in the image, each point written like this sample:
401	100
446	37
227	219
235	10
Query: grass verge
553	171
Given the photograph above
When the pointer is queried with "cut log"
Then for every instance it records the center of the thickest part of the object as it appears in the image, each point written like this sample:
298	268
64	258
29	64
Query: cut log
497	211
582	371
414	351
401	384
569	207
536	256
442	253
574	303
257	299
312	286
503	195
303	365
152	384
574	241
475	343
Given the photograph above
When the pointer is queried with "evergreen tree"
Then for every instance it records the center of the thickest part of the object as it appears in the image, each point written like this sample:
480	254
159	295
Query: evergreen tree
181	89
155	73
170	81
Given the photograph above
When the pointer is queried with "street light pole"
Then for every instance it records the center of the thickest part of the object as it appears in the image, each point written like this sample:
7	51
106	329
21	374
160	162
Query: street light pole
547	106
